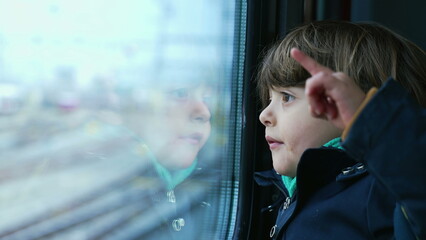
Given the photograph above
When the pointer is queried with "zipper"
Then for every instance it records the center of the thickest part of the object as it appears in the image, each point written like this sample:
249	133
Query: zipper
274	230
287	203
171	196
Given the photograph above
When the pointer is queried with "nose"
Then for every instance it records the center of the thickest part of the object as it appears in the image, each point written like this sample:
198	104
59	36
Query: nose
266	117
200	112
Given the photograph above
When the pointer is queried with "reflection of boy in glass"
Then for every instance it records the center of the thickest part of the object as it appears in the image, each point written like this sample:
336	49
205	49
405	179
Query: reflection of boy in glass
172	121
178	125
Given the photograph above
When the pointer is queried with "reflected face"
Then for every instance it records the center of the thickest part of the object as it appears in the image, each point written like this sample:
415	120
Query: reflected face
178	125
290	128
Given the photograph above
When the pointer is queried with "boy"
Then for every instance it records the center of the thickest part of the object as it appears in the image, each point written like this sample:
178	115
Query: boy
329	195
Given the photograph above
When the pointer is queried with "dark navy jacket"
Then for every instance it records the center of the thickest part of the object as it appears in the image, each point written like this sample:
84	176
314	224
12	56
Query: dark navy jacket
390	137
336	198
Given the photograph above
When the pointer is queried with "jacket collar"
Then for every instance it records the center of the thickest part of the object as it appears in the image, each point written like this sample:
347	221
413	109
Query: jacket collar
270	178
319	167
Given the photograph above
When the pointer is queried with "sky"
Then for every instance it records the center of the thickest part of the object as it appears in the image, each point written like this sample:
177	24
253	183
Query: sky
42	39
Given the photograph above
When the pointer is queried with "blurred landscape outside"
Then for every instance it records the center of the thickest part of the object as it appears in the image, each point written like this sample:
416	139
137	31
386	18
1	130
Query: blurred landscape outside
74	78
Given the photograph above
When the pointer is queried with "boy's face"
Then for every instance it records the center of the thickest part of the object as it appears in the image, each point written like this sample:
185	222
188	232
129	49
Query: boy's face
178	125
290	129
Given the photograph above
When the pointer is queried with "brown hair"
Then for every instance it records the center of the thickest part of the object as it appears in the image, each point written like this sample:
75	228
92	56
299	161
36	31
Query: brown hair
367	52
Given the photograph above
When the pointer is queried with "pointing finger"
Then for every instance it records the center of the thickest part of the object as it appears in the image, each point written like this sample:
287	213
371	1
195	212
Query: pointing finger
308	63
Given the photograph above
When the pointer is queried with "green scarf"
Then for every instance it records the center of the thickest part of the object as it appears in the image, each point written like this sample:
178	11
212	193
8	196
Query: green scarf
334	143
171	178
290	182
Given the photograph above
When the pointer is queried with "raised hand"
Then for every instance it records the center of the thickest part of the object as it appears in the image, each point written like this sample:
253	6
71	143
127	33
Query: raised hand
331	95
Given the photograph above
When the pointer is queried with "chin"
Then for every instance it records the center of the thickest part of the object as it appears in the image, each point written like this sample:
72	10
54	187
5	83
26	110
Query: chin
181	161
185	164
283	170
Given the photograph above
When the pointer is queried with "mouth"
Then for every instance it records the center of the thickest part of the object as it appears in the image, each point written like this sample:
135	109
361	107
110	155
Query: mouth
193	139
273	143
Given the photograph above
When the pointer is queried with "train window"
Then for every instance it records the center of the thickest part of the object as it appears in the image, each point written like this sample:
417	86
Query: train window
120	119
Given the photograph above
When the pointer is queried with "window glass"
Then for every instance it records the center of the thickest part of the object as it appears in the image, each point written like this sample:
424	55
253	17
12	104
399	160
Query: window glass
116	119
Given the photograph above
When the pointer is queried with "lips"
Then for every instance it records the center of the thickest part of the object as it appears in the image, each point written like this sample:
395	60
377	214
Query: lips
273	143
193	139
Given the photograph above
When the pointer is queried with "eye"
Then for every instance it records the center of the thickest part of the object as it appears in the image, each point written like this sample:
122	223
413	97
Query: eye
286	97
179	94
207	98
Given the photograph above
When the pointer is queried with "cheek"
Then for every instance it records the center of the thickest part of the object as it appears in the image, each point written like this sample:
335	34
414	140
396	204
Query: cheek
304	133
176	116
157	130
315	133
207	132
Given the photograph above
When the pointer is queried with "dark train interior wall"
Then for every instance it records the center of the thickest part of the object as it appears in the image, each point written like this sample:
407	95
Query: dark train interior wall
406	17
